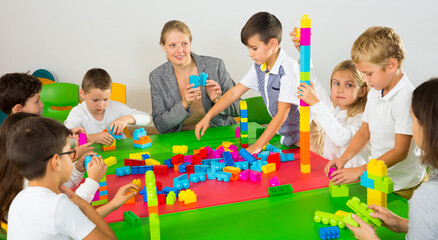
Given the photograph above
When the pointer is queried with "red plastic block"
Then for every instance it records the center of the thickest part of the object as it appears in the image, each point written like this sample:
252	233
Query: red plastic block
177	159
134	162
189	169
196	159
203	153
244	145
160	169
159	185
161	199
274	158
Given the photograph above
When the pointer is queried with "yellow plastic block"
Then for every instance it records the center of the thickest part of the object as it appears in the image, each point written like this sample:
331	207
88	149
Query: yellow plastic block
377	168
341	213
110	161
376	197
243	119
305	119
180	149
151	161
243	135
4	226
136	182
187	196
298	34
268	168
305	21
243	105
137	156
305	168
226	144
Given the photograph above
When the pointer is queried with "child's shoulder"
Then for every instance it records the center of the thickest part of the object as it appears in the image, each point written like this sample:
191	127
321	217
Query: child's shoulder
289	64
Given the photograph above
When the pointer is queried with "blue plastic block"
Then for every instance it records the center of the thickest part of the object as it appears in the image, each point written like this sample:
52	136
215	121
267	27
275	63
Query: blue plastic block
257	165
181	182
201	168
329	233
243	126
287	157
304	58
203	77
87	160
123	171
169	163
243	113
144	194
228	159
166	190
138	133
365	181
146	145
264	155
242	165
272	148
182	167
145	156
139	170
246	155
211	175
223	176
197	177
102	184
103	193
117	137
193	79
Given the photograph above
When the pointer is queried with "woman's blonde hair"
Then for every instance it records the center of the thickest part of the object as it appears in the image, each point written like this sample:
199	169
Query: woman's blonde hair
174	25
359	105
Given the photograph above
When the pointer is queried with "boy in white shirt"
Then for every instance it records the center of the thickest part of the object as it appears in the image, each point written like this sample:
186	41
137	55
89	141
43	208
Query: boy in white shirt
97	112
46	209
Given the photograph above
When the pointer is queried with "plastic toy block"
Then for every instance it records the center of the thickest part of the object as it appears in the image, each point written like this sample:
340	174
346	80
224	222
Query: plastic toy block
304	76
117	137
134	162
131	200
99	202
196	159
268	168
154	226
137	156
142	146
177	159
160	169
82	139
365	181
222	176
273	182
87	160
161	199
170	198
341	213
181	182
243	127
377	168
197	177
182	167
242	165
287	157
138	133
143	140
305	21
243	105
244	140
349	220
338	190
257	165
376	197
168	162
144	194
244	175
200	168
203	153
304	147
151	161
109	147
123	171
274	158
329	233
246	155
151	189
187	196
180	149
305	118
136	182
131	219
263	155
280	190
255	176
362	210
329	218
167	190
237	132
331	170
152	209
110	161
235	171
272	148
140	169
228	159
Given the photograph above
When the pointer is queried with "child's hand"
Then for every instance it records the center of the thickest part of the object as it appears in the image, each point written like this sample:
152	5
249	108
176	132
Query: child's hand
307	93
213	90
96	169
364	231
83	149
253	149
190	95
337	163
390	220
201	127
295	40
346	175
102	138
80	163
120	123
123	194
72	196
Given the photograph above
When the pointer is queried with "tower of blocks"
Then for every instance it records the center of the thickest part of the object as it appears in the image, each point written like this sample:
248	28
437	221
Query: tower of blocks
101	196
377	182
112	146
304	35
151	191
200	80
243	124
141	139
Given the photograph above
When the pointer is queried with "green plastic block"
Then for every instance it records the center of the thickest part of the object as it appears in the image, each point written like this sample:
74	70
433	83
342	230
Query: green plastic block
244	140
362	211
151	190
280	190
171	198
329	218
259	132
386	186
154	226
99	202
304	76
131	218
349	220
338	190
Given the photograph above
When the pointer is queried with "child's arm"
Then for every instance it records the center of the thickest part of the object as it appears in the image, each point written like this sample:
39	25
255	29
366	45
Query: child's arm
102	229
226	83
96	170
123	194
120	123
127	116
402	146
272	129
226	100
102	138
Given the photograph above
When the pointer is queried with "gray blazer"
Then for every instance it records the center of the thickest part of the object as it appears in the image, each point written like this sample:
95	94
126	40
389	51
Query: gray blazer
168	112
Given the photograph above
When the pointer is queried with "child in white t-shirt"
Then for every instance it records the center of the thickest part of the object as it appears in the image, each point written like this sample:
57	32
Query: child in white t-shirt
97	112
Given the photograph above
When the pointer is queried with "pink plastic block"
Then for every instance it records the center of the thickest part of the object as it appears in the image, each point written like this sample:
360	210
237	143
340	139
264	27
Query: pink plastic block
237	132
235	155
233	148
82	138
209	151
305	37
188	158
244	175
255	176
303	104
274	182
96	197
331	171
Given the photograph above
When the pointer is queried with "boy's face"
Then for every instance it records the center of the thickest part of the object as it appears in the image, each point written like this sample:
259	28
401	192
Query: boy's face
177	48
33	104
258	50
375	75
67	163
97	100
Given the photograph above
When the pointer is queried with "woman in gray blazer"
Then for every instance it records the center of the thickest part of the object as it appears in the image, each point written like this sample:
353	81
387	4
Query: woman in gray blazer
176	106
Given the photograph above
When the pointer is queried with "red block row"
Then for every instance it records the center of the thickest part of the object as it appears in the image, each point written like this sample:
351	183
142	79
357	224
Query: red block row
134	162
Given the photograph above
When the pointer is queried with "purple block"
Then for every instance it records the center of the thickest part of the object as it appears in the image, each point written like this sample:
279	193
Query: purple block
274	182
82	138
209	151
255	176
232	147
331	171
303	104
96	197
188	158
235	155
305	37
237	132
244	175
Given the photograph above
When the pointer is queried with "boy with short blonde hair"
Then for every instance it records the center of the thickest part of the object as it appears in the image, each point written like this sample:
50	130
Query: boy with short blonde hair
379	53
97	112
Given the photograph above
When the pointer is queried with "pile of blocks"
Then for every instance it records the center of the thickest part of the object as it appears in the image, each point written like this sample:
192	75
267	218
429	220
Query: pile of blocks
200	80
101	196
377	182
141	139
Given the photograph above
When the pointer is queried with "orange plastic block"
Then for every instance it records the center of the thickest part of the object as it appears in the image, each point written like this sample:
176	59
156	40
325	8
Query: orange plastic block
104	197
234	172
109	147
305	148
131	200
143	140
104	188
176	167
153	209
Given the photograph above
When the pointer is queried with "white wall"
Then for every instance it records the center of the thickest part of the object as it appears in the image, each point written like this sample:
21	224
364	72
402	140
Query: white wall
70	37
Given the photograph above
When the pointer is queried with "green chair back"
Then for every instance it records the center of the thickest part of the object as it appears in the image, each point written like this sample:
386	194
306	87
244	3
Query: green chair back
257	111
59	99
3	116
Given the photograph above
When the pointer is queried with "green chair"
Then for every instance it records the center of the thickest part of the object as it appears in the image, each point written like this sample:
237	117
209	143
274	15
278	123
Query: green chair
59	99
3	116
257	111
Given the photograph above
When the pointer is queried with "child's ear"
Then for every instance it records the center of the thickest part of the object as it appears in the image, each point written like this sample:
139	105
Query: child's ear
17	108
82	93
363	91
392	64
273	43
54	163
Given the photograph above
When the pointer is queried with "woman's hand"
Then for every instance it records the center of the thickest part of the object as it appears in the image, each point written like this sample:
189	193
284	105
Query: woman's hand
190	95
213	90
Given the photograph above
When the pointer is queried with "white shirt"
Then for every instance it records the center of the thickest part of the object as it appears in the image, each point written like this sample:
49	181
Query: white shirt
39	213
338	132
80	117
387	116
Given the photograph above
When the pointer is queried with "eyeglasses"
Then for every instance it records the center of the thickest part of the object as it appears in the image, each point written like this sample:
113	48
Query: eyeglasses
71	153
